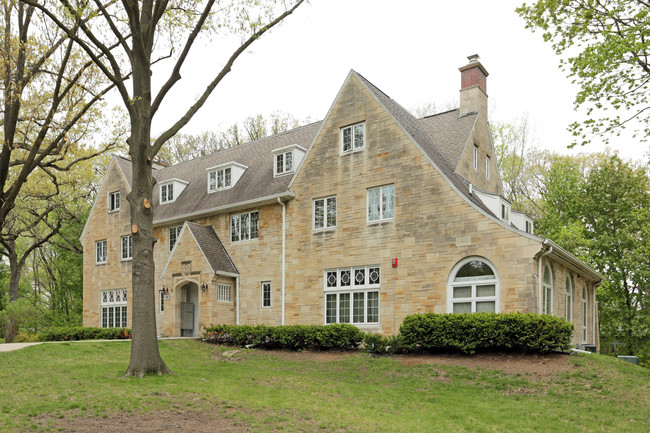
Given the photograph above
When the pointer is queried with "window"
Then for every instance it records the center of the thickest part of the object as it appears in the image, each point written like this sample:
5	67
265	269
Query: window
167	193
568	300
353	137
223	292
547	291
162	301
244	226
219	179
100	252
473	287
352	295
505	212
114	201
585	313
476	157
266	294
284	162
127	247
113	308
487	167
528	227
174	232
325	213
381	203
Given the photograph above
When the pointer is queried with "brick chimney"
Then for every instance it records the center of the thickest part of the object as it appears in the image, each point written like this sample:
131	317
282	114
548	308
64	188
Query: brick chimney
473	88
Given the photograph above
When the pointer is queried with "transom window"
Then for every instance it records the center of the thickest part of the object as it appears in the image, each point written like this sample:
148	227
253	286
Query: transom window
127	247
174	232
100	252
219	179
353	137
167	193
223	292
473	287
352	295
325	213
114	201
266	294
284	162
547	291
568	300
381	203
244	226
113	308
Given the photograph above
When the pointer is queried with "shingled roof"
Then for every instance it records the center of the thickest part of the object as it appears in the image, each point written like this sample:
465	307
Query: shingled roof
212	248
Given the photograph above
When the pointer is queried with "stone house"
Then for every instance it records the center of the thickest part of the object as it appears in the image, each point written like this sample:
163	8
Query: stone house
364	217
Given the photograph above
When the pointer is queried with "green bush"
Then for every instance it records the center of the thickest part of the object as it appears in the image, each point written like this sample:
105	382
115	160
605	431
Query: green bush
21	316
69	333
291	337
470	333
391	344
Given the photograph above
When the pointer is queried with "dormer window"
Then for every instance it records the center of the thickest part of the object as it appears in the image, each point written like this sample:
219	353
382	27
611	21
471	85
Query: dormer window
353	137
171	189
505	212
224	176
286	159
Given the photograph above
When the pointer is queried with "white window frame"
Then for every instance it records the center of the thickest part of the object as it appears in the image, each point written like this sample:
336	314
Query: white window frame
355	146
223	292
126	248
568	299
282	156
476	157
114	200
473	299
101	255
113	308
161	303
487	167
177	231
367	286
266	294
241	232
585	315
226	179
165	190
547	291
381	215
325	224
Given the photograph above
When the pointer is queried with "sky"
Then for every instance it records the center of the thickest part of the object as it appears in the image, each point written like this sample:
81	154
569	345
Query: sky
410	49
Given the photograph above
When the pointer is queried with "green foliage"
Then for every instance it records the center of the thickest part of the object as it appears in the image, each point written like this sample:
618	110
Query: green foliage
291	337
69	333
391	344
470	333
605	49
24	316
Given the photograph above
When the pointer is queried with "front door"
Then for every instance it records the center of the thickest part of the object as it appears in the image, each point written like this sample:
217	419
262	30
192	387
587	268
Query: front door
187	319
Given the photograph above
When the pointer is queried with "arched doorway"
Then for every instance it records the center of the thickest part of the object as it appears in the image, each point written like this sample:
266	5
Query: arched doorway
189	308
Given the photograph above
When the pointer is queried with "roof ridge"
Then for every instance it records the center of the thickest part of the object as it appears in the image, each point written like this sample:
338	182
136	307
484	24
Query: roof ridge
428	116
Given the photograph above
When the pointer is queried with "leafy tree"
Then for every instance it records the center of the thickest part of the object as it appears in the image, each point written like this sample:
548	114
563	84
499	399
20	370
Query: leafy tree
138	31
607	48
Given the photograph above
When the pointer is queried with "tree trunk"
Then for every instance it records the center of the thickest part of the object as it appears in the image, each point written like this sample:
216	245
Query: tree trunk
11	328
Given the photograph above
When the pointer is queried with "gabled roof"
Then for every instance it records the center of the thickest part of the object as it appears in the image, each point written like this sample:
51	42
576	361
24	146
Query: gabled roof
450	133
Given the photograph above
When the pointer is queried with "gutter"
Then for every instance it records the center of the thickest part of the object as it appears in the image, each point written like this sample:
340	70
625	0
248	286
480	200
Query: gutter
540	277
284	235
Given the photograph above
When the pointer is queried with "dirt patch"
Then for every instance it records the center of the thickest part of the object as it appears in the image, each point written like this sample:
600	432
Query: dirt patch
157	421
536	366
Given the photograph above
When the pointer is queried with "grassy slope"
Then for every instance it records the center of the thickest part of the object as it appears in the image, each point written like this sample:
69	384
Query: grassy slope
359	393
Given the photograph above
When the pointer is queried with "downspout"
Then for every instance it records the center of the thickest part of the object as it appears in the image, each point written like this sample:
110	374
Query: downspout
284	233
593	317
540	277
237	290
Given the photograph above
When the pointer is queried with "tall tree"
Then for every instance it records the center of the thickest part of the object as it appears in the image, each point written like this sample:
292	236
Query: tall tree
138	29
606	51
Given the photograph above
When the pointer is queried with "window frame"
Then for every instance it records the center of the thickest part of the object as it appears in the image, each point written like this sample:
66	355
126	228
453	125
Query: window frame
475	157
473	299
112	311
568	299
224	293
176	235
165	189
250	229
325	222
161	303
353	138
487	167
283	156
105	252
266	289
547	291
381	217
352	289
227	175
129	248
585	315
114	201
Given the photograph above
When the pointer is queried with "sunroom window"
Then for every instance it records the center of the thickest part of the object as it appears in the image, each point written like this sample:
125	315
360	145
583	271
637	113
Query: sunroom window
473	288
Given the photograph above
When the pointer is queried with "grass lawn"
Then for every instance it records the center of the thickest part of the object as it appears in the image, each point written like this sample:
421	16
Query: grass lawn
357	392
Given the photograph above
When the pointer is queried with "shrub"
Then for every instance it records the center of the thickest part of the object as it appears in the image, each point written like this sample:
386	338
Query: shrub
391	344
69	333
469	333
21	316
292	337
26	337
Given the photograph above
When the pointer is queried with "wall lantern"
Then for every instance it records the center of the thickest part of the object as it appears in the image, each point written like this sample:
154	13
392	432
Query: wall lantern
204	287
165	289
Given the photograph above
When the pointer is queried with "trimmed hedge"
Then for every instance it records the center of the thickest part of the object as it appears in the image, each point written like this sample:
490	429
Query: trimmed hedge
292	337
469	333
68	333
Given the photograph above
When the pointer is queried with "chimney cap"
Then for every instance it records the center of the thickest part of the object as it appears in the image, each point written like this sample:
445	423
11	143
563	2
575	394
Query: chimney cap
474	62
474	58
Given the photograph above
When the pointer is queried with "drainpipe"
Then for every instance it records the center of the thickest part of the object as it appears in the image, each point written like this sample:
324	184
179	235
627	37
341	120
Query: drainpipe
540	276
593	316
284	233
237	290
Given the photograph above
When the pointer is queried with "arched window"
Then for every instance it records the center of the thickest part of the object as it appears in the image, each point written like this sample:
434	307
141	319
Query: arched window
568	300
547	291
473	287
585	314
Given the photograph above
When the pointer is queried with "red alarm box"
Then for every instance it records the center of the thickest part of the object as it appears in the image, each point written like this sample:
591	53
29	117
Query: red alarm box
394	261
